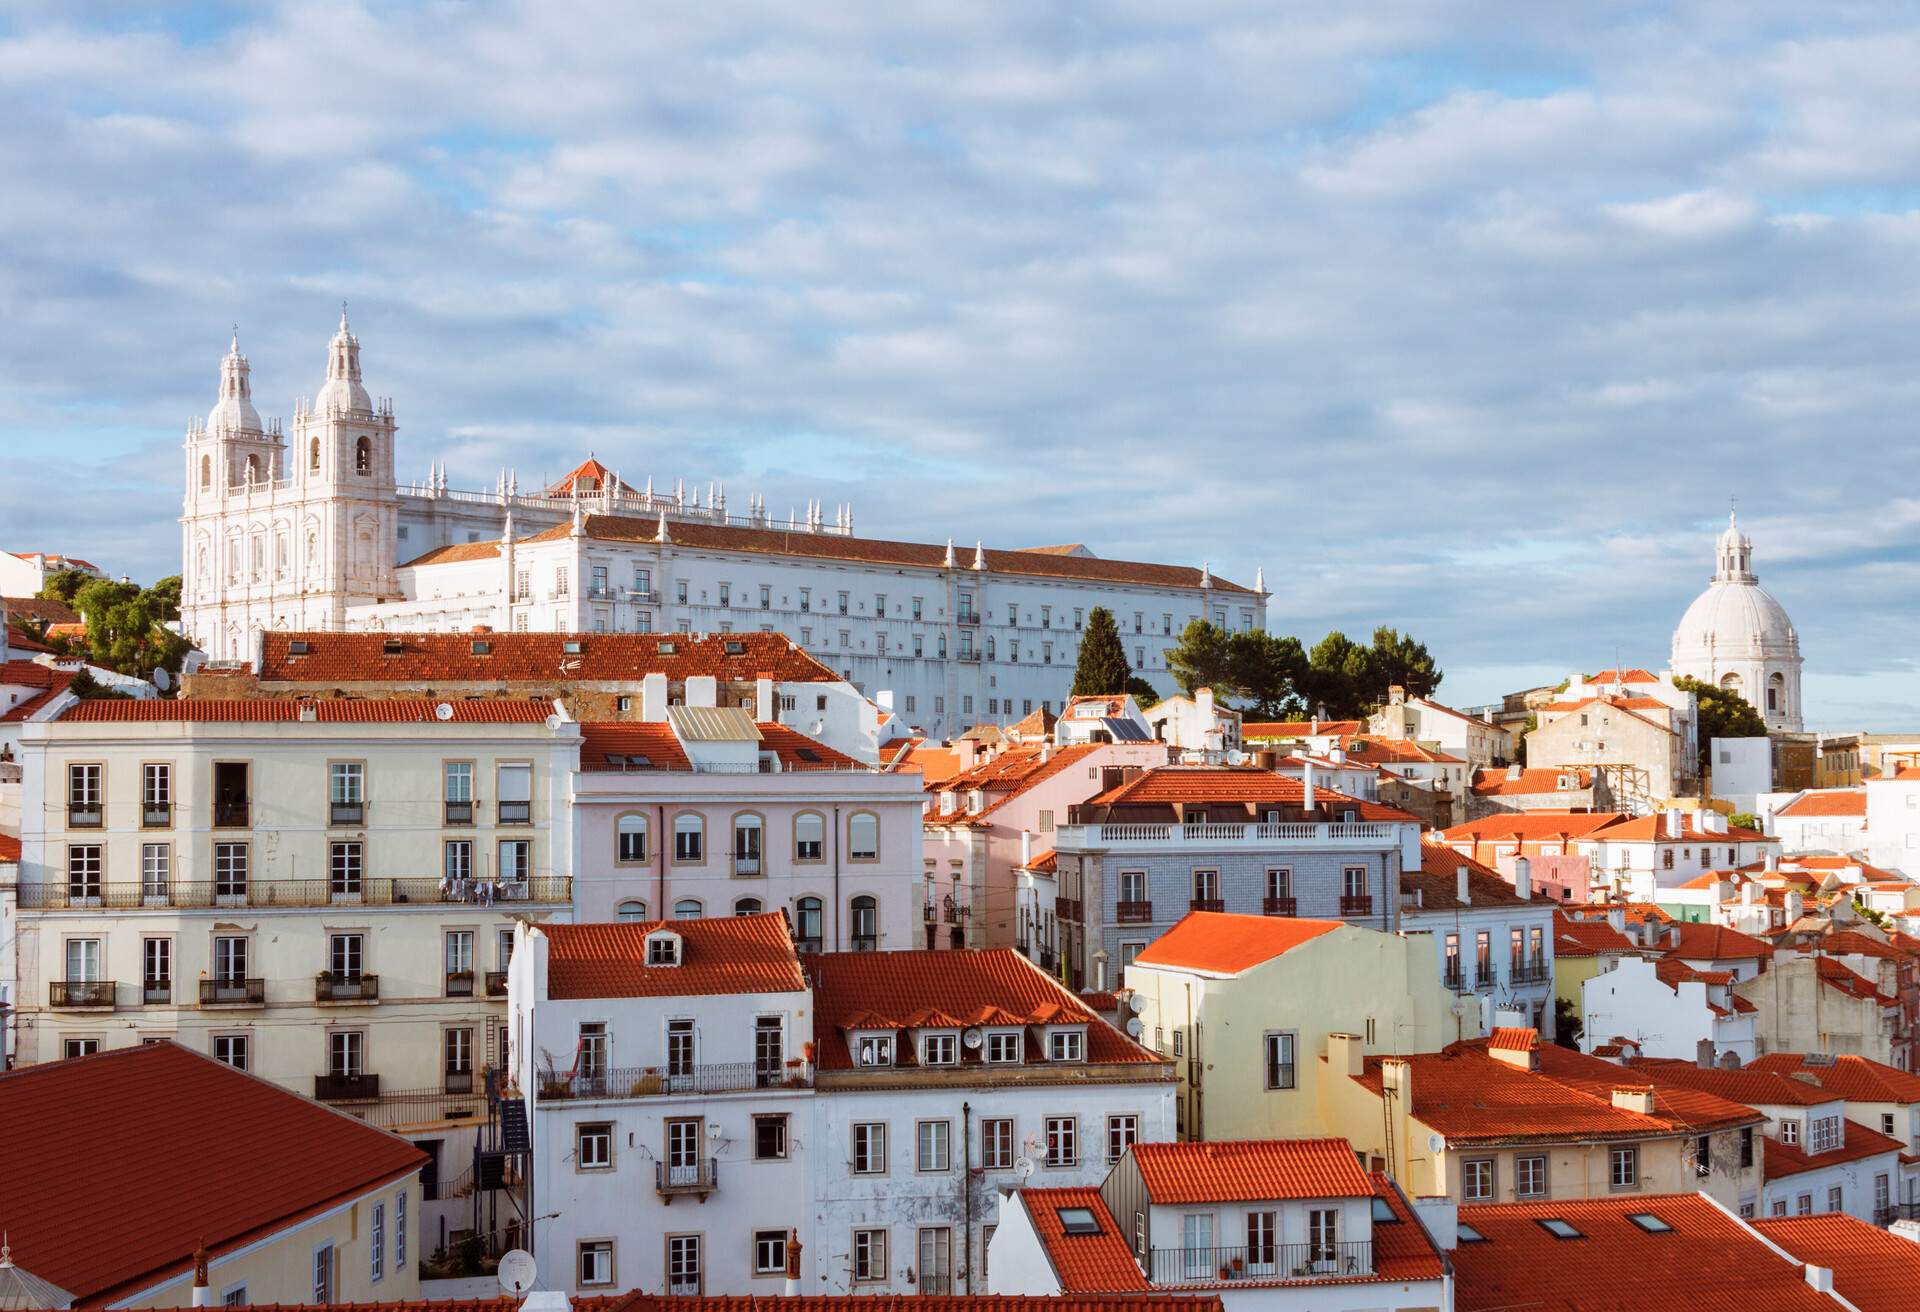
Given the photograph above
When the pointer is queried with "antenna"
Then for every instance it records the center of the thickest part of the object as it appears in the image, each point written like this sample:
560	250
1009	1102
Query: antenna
517	1271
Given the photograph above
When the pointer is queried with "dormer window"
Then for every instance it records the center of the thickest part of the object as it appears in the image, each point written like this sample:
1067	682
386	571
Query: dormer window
873	1051
1004	1047
663	949
940	1050
1067	1045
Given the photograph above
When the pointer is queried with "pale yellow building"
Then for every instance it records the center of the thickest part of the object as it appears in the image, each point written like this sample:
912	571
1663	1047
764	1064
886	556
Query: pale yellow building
1245	1006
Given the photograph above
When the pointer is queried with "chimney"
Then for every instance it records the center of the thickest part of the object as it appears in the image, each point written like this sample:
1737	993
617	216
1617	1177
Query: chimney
1634	1100
1306	787
1396	695
1523	877
1722	891
1203	706
1770	859
1749	893
1617	920
1703	1054
653	698
792	1288
1675	822
1907	1230
1514	772
763	703
1338	755
1463	892
1346	1052
703	690
1796	904
202	1292
1026	847
1649	933
1820	1278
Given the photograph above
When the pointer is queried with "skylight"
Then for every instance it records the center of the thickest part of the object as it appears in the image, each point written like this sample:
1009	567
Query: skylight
1383	1213
1559	1229
1647	1221
1078	1221
1468	1235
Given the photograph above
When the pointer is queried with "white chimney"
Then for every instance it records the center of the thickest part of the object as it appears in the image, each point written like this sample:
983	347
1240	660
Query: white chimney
763	704
1463	893
1770	859
1676	821
1820	1277
703	690
1026	847
1796	903
1514	772
653	698
1202	706
1306	787
1617	920
1749	893
1338	755
1523	877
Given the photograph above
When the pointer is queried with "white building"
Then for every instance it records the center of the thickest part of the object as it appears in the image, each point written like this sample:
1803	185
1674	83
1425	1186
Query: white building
1668	1009
1736	636
1639	857
1820	820
315	534
24	573
1475	739
1893	820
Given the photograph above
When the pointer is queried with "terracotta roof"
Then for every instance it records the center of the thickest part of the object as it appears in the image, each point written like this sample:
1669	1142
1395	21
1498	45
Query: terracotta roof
455	553
604	743
1037	724
1084	1263
180	1149
1513	1039
1747	1084
1653	829
1704	942
929	556
56	560
722	954
19	640
1851	942
1858	1142
542	658
268	710
1402	1249
797	751
1838	801
1708	1262
1871	1267
898	990
1226	944
1438	882
1683	1107
1587	938
1673	973
1082	1302
1635	675
1625	705
1848	982
1046	862
1850	1077
1370	750
39	608
1252	729
10	848
27	674
1495	782
1006	777
588	469
935	764
1196	785
1533	826
1249	1170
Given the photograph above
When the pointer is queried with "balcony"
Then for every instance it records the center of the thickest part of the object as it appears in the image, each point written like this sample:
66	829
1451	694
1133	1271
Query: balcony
1206	904
156	815
156	992
1356	904
1359	836
700	1178
457	813
1068	909
358	1087
459	983
866	943
233	992
1279	906
1133	912
346	986
1456	981
457	1082
232	814
1264	1262
647	597
804	944
290	893
496	983
972	656
746	867
84	815
968	617
1534	974
81	994
928	914
622	1082
516	813
347	813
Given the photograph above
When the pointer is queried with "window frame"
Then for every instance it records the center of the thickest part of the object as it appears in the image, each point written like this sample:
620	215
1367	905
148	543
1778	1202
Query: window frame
1280	1076
853	853
868	1143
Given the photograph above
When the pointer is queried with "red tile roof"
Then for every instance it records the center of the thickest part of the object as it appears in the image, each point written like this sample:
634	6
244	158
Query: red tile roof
10	848
1746	1084
19	640
268	710
431	658
1046	862
1784	1159
936	764
1838	801
799	752
588	471
902	990
1226	944
1513	1039
833	546
1197	785
1704	942
1533	826
1685	1108
39	608
1850	983
1250	1170
180	1150
1708	1262
724	954
1370	750
1083	1263
1852	1078
1653	829
605	746
1587	938
1871	1268
1438	882
1851	942
27	674
1635	675
1496	782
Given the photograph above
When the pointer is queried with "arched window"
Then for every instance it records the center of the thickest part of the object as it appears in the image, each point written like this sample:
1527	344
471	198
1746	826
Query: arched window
1731	682
630	840
631	910
866	923
809	836
206	471
1776	692
313	455
747	828
747	906
863	836
253	469
808	922
689	838
687	908
363	457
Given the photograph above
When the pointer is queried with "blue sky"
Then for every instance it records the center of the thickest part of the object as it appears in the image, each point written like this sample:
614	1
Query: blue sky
1466	318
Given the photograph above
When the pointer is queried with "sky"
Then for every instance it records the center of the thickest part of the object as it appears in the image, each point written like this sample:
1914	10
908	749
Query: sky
1466	318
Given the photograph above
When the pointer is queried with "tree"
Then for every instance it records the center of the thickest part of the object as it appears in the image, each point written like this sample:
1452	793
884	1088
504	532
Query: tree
1567	1025
1338	673
1398	660
63	585
1144	693
1203	658
1723	713
1266	670
1102	668
127	628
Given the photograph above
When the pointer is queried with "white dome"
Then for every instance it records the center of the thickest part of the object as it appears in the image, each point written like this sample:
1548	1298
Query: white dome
1735	620
343	392
234	412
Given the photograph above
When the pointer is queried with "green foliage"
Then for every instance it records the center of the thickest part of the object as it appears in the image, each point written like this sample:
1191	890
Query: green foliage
1567	1025
1102	668
1203	658
126	627
64	585
1723	714
89	689
1144	693
1396	660
1267	671
1273	677
1744	820
1339	677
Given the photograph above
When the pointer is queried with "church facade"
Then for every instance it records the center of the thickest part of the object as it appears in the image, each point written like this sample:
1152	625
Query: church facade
1736	636
313	531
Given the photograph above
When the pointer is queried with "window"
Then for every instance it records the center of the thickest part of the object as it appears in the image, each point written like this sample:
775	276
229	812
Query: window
156	969
593	1049
593	1146
79	1047
1886	1124
843	603
83	960
1063	1141
515	787
323	1269
1123	1131
1280	1068
347	792
769	1138
689	838
377	1243
83	796
866	924
516	859
230	960
1789	1132
1067	1045
869	1254
630	839
1483	957
1803	1205
345	866
933	1146
596	1262
809	836
1476	1180
1206	887
1836	1198
769	1252
458	862
1323	1234
1746	1147
940	1050
156	794
1623	1168
863	836
346	955
1530	1177
1823	1135
747	831
1004	1046
870	1148
875	1050
83	871
346	1052
996	1144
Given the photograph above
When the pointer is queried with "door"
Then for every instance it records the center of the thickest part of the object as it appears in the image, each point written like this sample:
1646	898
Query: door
1196	1246
683	1152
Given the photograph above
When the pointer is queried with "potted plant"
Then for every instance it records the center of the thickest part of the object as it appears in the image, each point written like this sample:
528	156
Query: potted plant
796	1071
649	1082
1226	1272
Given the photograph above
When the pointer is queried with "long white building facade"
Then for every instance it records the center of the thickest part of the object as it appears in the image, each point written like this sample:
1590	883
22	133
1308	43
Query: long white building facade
312	531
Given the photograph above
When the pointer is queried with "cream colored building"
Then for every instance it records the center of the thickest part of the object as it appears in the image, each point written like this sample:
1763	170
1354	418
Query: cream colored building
1246	1006
321	894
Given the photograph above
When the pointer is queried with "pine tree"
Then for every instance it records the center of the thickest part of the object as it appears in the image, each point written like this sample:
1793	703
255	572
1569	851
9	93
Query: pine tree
1102	669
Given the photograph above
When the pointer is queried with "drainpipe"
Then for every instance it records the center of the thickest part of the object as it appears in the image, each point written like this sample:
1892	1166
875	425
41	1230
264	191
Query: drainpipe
966	1193
1193	1070
662	838
838	945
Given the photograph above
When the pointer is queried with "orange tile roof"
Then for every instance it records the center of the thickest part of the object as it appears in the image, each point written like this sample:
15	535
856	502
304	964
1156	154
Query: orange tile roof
1253	729
1853	985
10	848
1006	777
930	556
799	752
1635	675
1084	1263
1708	1262
1370	750
1533	826
1695	1110
1438	881
1080	1302
1037	724
1628	706
430	658
604	741
1853	1078
1226	944
723	954
19	640
180	1150
1046	862
1858	1143
1653	829
1746	1084
1249	1170
1838	801
588	469
39	608
27	674
897	990
455	553
1513	1039
1851	942
1495	781
1574	937
1871	1267
935	764
1704	942
1195	785
267	710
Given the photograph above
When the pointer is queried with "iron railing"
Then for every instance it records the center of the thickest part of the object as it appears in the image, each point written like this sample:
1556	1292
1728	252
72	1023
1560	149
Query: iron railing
459	983
358	1087
496	983
156	991
699	1177
1533	974
1135	912
1206	904
156	815
516	813
233	992
1309	1261
345	986
292	893
1280	906
1364	833
348	813
1356	904
80	993
84	815
232	815
457	813
650	1081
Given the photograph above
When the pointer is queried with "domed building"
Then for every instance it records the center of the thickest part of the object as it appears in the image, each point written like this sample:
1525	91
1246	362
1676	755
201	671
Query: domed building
1736	636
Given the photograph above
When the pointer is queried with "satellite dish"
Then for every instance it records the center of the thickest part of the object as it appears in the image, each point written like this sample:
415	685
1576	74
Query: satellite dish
554	722
973	1038
713	1129
444	711
1435	1143
1134	1027
161	679
516	1271
1136	1003
1459	1006
1023	1167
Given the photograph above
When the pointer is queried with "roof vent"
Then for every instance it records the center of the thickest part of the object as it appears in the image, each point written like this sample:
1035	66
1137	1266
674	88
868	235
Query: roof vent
571	647
481	647
392	647
667	649
736	648
1078	1221
298	647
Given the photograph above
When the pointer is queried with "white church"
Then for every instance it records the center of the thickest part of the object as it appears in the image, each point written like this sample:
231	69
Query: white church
1736	636
315	532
